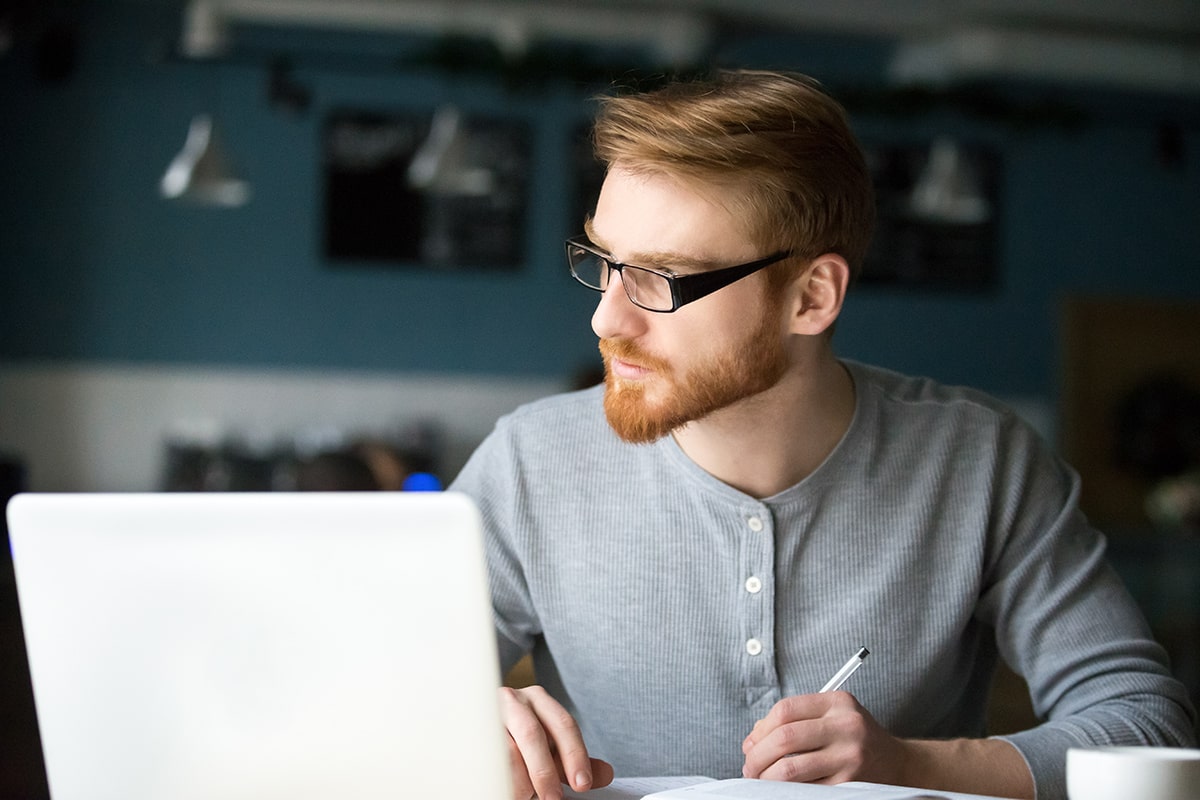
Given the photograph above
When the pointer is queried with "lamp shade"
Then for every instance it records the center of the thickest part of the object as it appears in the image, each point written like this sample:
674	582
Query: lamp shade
947	190
201	171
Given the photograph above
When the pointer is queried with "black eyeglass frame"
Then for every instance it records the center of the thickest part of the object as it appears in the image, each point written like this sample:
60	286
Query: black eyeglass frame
684	288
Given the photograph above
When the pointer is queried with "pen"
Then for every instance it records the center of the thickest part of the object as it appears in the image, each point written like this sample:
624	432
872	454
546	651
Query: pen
847	670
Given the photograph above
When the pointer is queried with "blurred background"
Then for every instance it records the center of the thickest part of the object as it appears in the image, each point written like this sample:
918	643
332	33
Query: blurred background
272	244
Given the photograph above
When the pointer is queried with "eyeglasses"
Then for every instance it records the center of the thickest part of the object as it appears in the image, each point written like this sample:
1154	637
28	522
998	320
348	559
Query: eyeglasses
655	289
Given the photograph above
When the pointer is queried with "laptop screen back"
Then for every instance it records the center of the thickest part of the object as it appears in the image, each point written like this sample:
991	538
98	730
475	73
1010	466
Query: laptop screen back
260	645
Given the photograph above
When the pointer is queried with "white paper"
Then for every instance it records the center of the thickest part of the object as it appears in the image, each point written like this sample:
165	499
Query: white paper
745	789
634	788
698	788
935	794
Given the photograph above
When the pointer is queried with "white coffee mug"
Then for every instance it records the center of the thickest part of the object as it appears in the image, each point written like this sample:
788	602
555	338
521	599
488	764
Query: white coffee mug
1133	773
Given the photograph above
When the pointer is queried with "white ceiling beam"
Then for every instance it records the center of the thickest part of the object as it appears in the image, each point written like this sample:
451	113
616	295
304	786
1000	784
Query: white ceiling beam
678	36
978	52
1147	45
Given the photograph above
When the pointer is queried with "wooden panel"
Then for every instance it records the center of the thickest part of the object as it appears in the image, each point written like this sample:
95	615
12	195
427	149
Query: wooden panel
521	674
1111	347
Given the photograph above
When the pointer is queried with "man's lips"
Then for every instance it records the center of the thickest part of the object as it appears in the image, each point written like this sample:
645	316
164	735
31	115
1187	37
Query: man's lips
627	369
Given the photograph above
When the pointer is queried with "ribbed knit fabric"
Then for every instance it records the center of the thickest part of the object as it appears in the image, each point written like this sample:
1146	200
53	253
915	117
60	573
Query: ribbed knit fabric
670	611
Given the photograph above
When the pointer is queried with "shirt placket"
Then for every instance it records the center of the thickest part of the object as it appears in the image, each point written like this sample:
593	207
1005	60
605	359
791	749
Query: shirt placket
756	592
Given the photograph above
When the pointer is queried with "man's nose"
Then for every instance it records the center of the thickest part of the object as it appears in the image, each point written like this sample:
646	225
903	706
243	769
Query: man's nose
616	316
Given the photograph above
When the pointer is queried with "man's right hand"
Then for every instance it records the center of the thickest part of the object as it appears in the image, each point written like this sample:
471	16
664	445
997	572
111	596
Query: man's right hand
545	747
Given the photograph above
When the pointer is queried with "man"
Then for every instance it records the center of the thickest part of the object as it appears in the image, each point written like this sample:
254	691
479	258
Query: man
691	551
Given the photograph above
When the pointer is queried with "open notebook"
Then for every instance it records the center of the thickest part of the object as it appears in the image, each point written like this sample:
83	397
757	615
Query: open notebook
698	788
260	645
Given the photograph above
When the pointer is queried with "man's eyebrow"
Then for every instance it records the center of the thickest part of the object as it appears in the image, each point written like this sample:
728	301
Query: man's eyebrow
657	260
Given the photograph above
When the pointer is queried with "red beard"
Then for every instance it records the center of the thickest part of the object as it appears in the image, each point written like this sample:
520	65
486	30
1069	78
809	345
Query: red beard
645	411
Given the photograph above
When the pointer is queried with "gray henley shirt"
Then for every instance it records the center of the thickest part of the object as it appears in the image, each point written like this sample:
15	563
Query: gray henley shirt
669	611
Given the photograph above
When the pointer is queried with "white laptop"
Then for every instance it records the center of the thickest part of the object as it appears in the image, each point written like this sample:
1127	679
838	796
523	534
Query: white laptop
260	646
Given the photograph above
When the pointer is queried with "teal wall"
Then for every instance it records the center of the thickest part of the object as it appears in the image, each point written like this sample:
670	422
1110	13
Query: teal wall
95	266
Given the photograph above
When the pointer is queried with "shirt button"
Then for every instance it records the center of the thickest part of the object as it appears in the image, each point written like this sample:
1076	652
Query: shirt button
753	585
753	646
755	524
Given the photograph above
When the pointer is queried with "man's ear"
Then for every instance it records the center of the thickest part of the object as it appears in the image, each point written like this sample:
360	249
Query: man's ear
818	294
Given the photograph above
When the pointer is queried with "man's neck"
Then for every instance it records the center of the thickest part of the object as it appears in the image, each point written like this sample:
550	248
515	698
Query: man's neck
767	443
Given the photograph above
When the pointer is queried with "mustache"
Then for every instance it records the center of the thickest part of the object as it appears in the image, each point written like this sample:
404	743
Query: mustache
626	350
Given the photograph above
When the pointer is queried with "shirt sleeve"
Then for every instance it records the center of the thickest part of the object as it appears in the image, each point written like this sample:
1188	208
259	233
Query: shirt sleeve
1065	622
490	479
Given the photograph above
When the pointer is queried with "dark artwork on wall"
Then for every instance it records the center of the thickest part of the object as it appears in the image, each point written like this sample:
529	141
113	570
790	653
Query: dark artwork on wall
938	210
440	190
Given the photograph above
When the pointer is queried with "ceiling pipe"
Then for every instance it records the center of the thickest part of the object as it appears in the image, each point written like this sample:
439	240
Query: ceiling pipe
678	37
940	50
991	52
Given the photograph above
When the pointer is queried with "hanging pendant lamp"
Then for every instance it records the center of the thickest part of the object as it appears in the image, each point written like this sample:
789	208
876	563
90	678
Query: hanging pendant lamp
201	172
947	190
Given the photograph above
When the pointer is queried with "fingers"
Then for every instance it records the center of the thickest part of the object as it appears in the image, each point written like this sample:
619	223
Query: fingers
817	738
835	762
602	773
522	786
787	711
546	748
815	767
535	768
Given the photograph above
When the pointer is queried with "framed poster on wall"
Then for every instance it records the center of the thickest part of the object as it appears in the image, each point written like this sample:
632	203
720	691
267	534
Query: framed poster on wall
439	190
938	210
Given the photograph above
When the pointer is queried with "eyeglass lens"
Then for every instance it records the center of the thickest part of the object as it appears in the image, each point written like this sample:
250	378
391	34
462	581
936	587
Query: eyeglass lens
647	289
